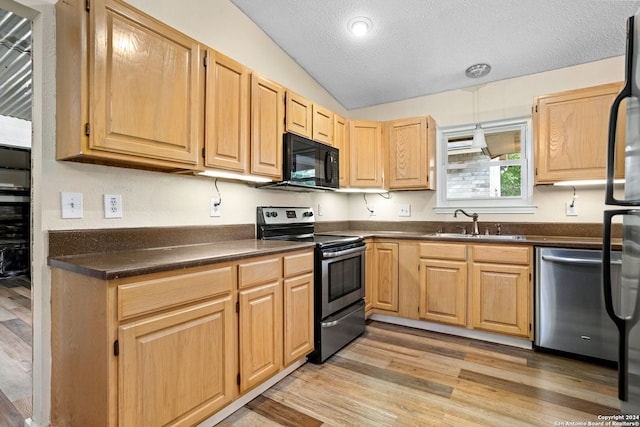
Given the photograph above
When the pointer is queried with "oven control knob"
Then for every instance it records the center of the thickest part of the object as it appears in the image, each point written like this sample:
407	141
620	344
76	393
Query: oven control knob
267	214
307	214
274	214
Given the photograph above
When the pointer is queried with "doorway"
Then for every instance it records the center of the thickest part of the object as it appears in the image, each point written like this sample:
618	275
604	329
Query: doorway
16	331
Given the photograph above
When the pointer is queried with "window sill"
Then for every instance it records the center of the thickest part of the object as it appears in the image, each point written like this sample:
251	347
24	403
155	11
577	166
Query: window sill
522	209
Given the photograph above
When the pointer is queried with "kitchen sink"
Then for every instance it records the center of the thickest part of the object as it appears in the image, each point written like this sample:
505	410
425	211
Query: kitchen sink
478	236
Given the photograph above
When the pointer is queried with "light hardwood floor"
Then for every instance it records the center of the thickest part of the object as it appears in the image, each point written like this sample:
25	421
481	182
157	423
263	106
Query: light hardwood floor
15	351
396	376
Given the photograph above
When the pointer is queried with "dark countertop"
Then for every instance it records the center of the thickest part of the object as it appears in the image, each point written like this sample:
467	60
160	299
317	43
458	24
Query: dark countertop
113	264
135	262
550	241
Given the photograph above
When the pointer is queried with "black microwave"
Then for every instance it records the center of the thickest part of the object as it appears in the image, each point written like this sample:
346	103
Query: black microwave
308	163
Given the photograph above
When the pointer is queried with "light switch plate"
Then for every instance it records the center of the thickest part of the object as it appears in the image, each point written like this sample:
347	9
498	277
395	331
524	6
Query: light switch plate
71	205
404	210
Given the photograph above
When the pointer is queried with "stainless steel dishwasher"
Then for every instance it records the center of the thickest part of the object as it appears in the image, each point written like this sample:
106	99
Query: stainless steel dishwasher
569	303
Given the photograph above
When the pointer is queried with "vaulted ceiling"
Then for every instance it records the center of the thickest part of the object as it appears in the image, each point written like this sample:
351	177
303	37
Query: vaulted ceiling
421	47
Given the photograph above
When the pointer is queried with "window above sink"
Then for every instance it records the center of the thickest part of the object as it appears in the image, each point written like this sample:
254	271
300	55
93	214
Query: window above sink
497	178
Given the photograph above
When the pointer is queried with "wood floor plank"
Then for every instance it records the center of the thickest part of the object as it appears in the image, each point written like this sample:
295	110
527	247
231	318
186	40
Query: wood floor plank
15	348
9	415
282	414
539	393
20	328
245	417
15	352
419	345
24	406
397	376
393	377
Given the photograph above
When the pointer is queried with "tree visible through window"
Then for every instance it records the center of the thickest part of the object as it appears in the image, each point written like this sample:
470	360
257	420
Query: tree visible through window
498	171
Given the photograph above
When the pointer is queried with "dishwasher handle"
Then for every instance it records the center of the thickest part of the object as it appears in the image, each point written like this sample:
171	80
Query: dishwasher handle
584	261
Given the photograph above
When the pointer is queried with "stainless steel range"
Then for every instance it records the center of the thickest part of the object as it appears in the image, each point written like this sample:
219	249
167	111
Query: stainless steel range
339	275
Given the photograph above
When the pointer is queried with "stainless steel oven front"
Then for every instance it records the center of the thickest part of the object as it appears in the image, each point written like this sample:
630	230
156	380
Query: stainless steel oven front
341	277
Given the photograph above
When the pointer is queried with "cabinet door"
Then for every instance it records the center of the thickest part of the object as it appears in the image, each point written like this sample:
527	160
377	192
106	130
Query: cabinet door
365	143
299	115
443	291
322	125
260	334
146	83
341	142
501	299
368	276
267	116
385	273
177	368
409	150
571	133
227	114
298	317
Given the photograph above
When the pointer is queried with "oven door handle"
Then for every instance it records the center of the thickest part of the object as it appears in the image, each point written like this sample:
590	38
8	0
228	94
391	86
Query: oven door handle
336	254
333	323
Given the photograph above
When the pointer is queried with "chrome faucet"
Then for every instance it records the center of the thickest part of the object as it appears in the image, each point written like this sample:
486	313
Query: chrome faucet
472	216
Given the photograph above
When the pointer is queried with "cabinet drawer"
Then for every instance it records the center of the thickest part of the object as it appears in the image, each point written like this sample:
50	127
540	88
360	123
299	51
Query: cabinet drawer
298	263
260	271
501	254
443	251
160	291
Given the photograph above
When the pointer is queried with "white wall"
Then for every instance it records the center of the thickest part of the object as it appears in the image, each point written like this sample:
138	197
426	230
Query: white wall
498	100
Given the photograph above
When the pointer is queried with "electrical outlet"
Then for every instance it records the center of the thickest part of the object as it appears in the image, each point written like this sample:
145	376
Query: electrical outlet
71	205
372	209
112	206
215	207
320	210
404	210
572	210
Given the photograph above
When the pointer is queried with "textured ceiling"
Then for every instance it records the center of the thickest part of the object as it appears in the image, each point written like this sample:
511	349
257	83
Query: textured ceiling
420	47
15	66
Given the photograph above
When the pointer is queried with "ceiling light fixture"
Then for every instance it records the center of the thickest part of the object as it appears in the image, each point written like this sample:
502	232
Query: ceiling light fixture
360	26
477	70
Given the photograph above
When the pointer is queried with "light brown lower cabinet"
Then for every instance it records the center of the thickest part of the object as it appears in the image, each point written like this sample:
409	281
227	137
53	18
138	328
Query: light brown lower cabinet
385	276
167	348
261	338
443	283
176	368
501	290
483	287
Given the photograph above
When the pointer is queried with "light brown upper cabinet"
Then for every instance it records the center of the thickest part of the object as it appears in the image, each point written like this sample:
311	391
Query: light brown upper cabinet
227	114
267	118
341	142
299	114
305	118
412	153
571	133
366	162
322	124
129	88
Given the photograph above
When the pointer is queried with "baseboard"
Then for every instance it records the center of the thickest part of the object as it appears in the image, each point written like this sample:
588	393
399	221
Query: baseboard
453	330
246	398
